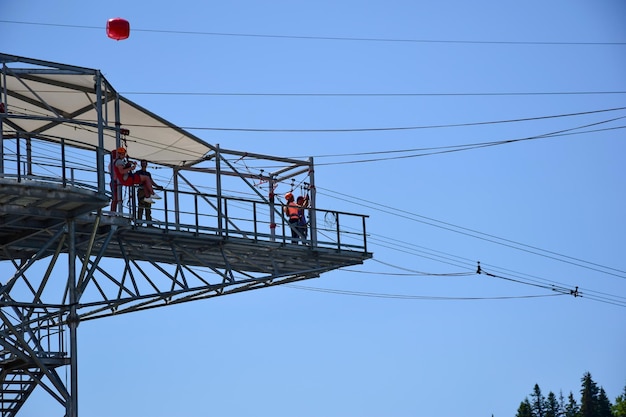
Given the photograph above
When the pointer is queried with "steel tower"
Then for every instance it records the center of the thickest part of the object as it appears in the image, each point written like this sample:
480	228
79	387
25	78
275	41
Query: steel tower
72	249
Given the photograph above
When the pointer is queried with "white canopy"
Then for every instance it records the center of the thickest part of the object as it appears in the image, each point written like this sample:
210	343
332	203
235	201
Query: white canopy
59	102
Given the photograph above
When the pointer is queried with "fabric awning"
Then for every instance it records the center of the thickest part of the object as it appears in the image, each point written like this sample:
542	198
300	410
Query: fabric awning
59	102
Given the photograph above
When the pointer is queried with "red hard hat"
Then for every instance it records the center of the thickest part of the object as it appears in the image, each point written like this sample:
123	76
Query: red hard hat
121	150
288	196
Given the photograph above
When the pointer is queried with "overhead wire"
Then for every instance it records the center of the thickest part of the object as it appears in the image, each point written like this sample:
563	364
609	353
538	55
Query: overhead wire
412	297
332	38
438	150
469	264
392	128
389	128
508	275
456	94
399	212
473	146
511	276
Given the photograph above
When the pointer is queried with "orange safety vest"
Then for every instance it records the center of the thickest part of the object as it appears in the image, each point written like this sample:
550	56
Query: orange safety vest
293	211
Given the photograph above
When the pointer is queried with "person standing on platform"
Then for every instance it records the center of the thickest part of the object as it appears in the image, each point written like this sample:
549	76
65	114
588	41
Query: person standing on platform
144	206
303	204
291	211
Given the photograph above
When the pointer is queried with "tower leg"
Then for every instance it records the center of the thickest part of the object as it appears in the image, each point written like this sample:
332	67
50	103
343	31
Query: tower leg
72	404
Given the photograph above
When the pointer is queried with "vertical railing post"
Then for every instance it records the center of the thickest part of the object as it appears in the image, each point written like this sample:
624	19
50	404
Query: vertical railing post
284	228
100	147
64	177
18	155
196	213
176	200
364	235
218	186
167	212
272	198
29	157
254	220
338	234
116	188
225	216
312	205
5	109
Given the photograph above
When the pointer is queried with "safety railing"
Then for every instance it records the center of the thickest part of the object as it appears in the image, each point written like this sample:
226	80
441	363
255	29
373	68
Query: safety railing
43	332
32	159
227	216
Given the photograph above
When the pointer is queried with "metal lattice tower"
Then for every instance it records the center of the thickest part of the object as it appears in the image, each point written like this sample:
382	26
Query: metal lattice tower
66	257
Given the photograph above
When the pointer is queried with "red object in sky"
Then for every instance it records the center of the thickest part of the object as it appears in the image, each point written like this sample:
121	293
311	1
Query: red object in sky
118	28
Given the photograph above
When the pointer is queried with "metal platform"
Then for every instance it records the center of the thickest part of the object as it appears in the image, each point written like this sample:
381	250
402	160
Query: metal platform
31	212
72	248
40	220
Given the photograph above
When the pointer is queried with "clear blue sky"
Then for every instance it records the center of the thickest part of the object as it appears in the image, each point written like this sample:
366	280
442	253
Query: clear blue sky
548	211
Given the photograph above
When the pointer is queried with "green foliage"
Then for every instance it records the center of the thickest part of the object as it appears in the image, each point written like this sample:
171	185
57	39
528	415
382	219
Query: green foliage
619	409
524	409
571	409
538	402
604	405
593	403
589	397
552	406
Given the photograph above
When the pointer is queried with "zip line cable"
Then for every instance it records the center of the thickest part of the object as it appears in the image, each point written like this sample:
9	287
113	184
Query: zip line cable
232	94
468	147
398	212
411	297
512	276
455	260
329	38
375	129
470	265
449	149
497	240
450	274
392	128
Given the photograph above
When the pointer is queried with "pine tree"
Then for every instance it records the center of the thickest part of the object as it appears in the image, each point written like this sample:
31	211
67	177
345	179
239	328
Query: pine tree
619	408
524	409
561	403
589	397
538	403
571	409
604	404
552	406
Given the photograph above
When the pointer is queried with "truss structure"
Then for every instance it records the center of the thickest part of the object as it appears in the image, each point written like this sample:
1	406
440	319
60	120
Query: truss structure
70	255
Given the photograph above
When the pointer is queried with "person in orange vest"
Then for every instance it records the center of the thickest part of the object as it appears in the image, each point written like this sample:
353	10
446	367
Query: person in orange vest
292	212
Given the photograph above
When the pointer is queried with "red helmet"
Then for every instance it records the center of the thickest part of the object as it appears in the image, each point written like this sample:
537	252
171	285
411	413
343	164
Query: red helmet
289	196
121	151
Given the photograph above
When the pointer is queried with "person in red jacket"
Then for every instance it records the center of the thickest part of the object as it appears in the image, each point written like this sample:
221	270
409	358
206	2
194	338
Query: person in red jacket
124	175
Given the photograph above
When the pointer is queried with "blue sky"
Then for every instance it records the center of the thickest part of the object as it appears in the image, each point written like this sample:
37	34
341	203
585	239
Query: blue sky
548	210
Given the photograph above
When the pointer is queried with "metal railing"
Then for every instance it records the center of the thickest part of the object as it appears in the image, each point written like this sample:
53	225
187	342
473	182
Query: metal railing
199	213
31	159
62	163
